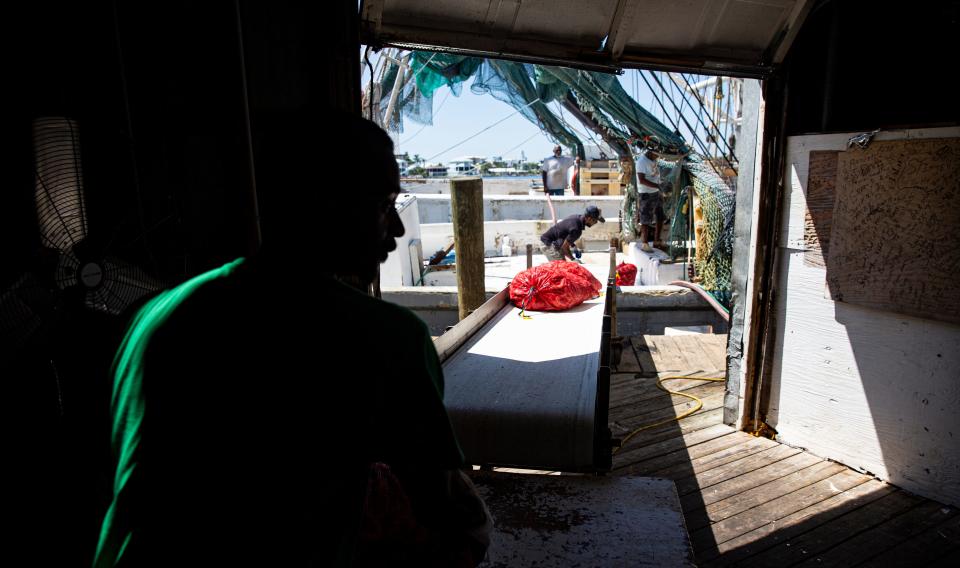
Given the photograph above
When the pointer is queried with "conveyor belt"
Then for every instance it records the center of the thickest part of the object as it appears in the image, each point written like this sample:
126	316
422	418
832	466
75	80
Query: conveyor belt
524	392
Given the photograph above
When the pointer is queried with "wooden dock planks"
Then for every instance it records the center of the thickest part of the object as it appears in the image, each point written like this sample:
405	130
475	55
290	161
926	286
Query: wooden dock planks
750	501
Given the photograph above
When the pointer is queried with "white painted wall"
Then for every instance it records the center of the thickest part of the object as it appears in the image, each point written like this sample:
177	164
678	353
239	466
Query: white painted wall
491	185
400	268
874	390
428	238
651	270
436	236
436	208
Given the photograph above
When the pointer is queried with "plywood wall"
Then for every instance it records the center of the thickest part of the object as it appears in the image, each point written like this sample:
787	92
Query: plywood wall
820	197
873	389
895	228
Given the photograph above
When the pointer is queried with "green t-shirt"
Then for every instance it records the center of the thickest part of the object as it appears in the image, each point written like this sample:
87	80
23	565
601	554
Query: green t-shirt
248	404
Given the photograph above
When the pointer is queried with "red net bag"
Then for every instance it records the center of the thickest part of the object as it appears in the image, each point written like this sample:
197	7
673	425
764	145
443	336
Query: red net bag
553	287
626	274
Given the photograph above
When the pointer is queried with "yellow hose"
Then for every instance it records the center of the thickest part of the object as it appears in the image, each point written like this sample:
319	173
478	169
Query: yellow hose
675	418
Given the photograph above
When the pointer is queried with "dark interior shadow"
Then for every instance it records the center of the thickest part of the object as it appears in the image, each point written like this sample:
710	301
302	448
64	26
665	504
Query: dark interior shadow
893	375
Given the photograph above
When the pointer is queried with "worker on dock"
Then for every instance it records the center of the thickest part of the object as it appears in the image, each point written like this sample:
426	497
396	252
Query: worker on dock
554	171
559	242
650	210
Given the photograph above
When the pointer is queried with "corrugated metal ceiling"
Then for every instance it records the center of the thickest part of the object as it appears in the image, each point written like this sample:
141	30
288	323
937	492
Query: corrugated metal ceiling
730	37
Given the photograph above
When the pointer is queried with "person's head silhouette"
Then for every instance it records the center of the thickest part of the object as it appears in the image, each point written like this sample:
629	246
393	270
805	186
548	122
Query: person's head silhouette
353	188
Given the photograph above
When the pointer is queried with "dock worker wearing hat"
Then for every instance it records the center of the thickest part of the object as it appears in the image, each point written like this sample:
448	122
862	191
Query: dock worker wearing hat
560	237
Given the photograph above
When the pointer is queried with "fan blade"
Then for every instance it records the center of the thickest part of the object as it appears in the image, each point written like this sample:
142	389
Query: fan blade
65	273
58	190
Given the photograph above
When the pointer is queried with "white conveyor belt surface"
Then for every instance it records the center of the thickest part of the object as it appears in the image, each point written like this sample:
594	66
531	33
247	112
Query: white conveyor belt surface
522	392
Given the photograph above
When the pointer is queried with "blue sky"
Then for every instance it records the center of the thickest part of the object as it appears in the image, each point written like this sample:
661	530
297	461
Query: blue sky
460	117
456	118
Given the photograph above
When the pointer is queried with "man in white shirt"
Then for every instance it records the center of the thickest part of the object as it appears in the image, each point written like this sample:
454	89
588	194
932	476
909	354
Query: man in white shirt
651	207
554	171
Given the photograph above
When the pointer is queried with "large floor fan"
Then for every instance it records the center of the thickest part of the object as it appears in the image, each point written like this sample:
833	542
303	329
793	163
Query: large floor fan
72	269
65	301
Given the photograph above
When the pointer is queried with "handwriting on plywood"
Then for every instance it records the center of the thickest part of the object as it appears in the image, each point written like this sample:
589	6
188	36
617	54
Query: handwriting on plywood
895	242
821	193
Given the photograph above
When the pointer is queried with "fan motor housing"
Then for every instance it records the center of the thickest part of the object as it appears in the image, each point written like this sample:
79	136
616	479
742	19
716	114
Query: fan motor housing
90	274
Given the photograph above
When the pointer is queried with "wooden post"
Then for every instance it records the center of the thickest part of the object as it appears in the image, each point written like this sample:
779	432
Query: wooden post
529	256
691	232
614	242
613	258
466	202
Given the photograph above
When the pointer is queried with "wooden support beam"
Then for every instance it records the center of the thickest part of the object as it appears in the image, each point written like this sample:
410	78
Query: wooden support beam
466	201
441	254
614	243
448	343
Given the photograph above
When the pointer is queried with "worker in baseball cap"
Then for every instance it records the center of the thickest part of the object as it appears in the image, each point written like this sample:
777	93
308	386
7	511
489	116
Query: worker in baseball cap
559	239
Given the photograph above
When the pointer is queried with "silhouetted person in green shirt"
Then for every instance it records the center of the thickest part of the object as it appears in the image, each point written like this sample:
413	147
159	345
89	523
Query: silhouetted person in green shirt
267	414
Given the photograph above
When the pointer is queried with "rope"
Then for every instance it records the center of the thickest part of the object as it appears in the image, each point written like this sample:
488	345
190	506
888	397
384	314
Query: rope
523	305
656	98
692	130
700	110
660	386
696	138
471	137
422	67
535	134
712	123
366	57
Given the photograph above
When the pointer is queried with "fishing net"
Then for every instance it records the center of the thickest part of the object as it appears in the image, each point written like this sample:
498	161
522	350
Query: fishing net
529	89
622	120
603	92
426	73
712	228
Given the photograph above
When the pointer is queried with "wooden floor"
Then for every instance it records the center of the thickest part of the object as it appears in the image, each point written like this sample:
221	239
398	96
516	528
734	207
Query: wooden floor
750	501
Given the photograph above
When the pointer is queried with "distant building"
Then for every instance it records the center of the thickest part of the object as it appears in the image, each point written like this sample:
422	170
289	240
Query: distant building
461	168
436	170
